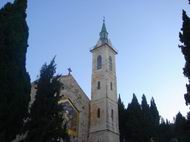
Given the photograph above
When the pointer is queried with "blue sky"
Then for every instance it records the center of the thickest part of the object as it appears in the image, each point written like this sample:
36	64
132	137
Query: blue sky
144	32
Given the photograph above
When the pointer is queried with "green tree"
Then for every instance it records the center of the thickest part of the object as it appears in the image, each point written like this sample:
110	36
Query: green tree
140	123
146	128
144	104
154	119
46	117
14	80
165	133
133	124
122	119
181	128
184	36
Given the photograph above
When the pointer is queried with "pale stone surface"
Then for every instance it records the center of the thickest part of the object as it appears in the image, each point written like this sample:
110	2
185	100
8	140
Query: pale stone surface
75	94
104	128
91	126
72	91
104	136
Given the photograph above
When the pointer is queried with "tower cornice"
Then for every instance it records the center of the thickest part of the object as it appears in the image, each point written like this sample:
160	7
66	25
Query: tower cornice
96	47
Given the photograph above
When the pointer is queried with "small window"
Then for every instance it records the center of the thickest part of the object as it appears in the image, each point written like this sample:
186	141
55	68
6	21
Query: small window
111	86
63	87
98	113
110	63
99	62
112	114
98	85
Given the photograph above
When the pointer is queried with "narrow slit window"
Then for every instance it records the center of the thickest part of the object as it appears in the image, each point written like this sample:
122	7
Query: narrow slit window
63	87
111	86
98	113
110	63
112	114
99	62
98	85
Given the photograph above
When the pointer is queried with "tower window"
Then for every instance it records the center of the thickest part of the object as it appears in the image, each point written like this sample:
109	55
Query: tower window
111	86
112	114
98	113
98	85
110	63
63	87
99	62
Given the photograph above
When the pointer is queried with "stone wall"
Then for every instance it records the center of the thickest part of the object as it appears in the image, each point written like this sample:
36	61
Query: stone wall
72	91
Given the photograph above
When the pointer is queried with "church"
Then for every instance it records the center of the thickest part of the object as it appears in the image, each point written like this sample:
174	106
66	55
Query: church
95	119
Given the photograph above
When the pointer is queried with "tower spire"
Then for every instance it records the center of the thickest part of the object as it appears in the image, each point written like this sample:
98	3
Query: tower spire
104	104
104	33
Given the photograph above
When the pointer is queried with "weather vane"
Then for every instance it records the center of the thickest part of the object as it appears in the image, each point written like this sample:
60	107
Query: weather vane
69	69
104	19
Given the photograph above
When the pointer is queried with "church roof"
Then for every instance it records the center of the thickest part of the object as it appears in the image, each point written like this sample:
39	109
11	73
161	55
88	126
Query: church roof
72	83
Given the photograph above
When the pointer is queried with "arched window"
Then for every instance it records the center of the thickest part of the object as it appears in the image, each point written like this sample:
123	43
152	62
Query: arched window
110	63
98	113
98	85
99	62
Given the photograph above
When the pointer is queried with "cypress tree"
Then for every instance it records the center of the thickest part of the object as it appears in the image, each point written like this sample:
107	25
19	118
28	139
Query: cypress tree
145	119
14	80
46	115
133	124
179	127
144	104
165	133
122	119
184	36
154	119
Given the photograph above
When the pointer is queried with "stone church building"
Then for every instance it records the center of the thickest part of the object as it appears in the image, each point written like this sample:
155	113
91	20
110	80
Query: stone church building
95	119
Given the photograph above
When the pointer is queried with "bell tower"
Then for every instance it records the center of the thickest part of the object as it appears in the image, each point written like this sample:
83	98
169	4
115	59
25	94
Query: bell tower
104	125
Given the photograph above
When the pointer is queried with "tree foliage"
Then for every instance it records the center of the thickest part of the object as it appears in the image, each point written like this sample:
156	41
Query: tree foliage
165	131
154	119
146	125
122	118
46	115
138	122
142	123
181	128
184	36
14	80
133	125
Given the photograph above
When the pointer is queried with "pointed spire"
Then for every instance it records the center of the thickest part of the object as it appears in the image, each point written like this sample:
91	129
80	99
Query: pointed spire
104	33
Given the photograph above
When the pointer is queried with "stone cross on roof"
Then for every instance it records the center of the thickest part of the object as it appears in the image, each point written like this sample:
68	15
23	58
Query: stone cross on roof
69	69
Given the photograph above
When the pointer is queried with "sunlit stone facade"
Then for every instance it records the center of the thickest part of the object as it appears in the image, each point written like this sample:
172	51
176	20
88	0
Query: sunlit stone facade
94	120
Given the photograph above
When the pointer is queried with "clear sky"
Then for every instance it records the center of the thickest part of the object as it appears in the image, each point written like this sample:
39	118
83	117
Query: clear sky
145	32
